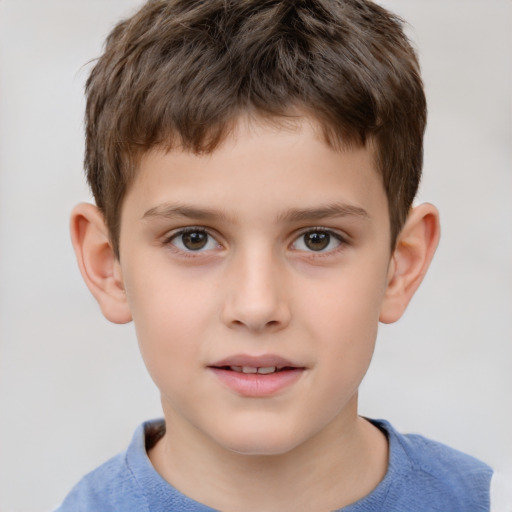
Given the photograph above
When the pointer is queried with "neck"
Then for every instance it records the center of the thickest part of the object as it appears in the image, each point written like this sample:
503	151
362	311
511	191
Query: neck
336	467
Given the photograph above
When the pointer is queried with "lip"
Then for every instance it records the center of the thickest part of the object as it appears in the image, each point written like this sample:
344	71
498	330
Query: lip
257	385
262	361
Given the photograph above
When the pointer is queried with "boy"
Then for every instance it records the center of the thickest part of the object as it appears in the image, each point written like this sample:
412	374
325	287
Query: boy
254	165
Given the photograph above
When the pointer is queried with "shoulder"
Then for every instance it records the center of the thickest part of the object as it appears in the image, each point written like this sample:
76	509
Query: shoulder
129	482
436	476
111	487
440	462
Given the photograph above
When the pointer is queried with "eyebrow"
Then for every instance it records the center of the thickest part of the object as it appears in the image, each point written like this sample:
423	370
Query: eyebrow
172	211
324	212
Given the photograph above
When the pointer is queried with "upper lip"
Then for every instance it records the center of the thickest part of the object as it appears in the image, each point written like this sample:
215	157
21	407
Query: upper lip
263	361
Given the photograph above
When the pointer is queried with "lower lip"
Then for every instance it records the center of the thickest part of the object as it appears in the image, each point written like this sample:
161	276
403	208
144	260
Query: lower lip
257	385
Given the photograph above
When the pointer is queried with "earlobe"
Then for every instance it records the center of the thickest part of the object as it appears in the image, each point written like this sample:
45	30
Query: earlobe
97	262
415	248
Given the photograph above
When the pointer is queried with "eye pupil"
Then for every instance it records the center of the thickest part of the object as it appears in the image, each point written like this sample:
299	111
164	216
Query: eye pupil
195	240
317	241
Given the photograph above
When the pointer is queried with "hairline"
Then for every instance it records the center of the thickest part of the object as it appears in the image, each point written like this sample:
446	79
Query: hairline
290	120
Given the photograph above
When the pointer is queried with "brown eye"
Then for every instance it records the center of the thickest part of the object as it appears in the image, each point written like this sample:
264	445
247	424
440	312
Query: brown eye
316	240
193	240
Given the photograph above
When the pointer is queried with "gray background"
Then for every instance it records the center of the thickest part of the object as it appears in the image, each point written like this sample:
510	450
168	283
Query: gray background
72	387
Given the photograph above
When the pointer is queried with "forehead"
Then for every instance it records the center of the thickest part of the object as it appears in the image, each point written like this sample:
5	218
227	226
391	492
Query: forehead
261	167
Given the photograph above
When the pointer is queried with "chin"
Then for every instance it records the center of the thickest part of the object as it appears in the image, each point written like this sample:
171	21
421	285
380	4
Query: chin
260	442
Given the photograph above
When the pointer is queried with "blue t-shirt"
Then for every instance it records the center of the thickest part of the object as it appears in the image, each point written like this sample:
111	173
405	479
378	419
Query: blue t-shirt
422	476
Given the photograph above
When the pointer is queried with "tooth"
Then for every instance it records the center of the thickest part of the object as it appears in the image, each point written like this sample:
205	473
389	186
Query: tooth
268	369
249	369
236	368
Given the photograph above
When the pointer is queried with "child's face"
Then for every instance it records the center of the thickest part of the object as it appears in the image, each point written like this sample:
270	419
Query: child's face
273	251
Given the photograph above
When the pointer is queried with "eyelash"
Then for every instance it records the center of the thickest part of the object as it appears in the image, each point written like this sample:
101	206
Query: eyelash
187	252
168	241
342	242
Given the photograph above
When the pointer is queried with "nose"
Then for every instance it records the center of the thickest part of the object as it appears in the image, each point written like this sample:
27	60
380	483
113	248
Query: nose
256	293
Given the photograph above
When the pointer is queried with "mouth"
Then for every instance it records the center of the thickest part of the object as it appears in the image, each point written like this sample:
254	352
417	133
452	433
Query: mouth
263	365
263	376
261	370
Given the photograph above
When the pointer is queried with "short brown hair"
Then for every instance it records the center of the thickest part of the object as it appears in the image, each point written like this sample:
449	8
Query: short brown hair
183	71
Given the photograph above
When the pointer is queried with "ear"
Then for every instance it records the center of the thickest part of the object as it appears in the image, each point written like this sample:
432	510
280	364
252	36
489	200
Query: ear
98	264
415	248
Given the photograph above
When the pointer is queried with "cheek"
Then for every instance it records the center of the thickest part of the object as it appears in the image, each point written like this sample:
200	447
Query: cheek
343	315
170	320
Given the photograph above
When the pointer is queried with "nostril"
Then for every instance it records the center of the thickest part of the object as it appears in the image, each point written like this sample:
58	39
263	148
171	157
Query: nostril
255	315
270	325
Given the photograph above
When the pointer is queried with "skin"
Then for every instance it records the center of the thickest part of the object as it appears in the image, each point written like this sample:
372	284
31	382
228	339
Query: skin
257	287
